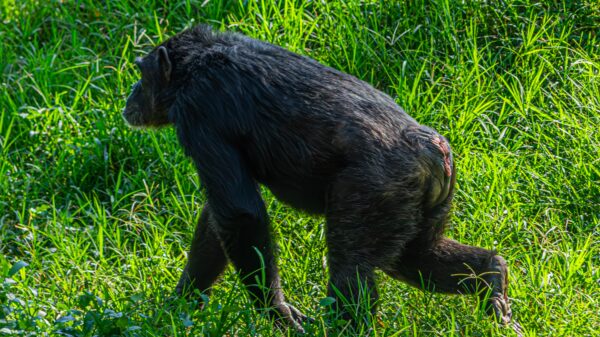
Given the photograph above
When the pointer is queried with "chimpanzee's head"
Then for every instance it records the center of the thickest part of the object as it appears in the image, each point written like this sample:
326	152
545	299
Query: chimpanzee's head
151	96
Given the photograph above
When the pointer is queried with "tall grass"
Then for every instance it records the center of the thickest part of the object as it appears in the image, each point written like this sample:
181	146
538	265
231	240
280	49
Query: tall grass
95	218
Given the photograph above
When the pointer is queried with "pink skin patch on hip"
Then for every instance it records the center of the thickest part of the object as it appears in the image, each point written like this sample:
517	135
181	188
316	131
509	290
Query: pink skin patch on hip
442	145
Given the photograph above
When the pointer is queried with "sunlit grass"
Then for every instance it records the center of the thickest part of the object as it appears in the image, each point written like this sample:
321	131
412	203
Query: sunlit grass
95	218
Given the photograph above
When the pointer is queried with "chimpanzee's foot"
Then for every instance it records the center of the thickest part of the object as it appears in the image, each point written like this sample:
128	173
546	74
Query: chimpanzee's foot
497	279
498	303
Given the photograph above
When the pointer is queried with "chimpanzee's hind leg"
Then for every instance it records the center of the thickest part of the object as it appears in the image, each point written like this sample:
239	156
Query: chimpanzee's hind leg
366	228
437	263
451	267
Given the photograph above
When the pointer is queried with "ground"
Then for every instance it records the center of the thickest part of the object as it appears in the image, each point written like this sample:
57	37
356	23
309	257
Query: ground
96	218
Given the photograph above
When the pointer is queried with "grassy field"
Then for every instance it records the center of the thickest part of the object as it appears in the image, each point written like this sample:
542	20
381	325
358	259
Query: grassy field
96	218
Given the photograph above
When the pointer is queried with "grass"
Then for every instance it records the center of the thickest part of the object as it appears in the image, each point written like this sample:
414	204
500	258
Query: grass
96	218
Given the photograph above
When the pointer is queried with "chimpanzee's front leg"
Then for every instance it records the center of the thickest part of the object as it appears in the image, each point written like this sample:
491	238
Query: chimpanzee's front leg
206	259
241	224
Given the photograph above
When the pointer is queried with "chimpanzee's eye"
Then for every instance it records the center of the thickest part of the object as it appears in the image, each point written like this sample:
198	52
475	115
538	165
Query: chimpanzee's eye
138	62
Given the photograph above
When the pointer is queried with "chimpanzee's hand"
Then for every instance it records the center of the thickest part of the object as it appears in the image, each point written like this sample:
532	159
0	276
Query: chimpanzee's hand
288	317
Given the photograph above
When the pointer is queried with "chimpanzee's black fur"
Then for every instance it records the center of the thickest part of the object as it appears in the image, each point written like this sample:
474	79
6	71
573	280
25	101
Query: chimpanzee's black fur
249	113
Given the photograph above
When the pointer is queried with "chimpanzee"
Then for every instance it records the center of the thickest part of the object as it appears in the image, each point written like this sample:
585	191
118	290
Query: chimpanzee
249	113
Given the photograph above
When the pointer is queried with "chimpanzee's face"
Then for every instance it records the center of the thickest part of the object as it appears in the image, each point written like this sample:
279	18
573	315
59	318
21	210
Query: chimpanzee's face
145	105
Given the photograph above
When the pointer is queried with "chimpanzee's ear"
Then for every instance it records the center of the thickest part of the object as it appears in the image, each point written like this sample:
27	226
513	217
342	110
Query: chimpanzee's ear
164	63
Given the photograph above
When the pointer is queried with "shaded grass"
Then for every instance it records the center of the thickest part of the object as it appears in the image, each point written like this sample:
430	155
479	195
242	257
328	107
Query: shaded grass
103	215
